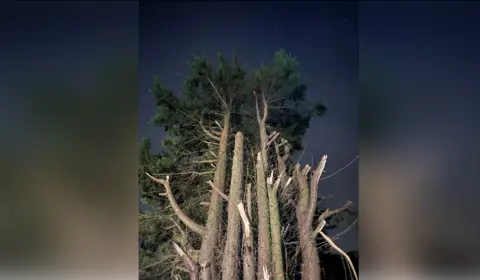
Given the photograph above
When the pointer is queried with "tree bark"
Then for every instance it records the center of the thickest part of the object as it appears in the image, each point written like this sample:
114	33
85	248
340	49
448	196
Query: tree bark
248	255
191	265
263	219
277	257
230	256
208	269
264	250
305	210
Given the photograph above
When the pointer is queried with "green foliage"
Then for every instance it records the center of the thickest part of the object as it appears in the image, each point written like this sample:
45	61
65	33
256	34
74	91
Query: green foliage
208	92
281	82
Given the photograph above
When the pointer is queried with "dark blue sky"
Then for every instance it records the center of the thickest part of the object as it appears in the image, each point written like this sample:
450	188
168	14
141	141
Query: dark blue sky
323	36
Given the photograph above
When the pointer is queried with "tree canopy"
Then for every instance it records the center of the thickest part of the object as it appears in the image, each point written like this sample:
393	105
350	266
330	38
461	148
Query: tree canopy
194	121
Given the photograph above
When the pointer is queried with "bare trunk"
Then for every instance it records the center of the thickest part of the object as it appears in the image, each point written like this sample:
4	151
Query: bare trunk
305	209
263	145
277	258
282	166
264	250
248	255
310	269
208	270
263	219
230	256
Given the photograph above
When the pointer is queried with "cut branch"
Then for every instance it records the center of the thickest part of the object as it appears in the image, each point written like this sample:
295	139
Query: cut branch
218	93
249	258
328	213
181	215
205	161
273	138
249	200
191	265
273	134
312	205
219	126
334	246
208	132
265	108
224	196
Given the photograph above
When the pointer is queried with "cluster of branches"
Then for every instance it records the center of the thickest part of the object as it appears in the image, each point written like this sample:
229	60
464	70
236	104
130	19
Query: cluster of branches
260	201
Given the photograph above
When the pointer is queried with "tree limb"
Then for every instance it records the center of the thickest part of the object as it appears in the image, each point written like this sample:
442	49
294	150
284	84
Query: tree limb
205	161
328	213
249	200
257	109
224	196
181	215
272	138
206	131
218	93
334	246
314	189
273	134
265	108
245	220
192	266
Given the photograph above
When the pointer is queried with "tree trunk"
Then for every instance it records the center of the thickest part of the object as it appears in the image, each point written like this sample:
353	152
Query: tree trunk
208	270
263	145
263	219
230	256
310	269
264	250
248	254
305	210
277	258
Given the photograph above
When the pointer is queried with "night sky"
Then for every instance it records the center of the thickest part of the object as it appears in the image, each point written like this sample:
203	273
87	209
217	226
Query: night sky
322	36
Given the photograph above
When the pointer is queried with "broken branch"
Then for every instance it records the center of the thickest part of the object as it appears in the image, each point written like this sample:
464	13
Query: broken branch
314	189
334	246
328	213
206	131
176	208
224	196
218	93
192	266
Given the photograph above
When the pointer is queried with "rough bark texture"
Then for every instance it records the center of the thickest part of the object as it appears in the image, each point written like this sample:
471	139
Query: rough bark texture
310	267
208	270
277	258
263	219
282	166
305	210
248	254
230	255
264	250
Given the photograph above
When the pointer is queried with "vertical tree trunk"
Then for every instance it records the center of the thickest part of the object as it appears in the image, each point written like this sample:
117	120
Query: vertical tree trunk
230	256
208	270
310	268
248	254
277	258
264	250
263	218
305	209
